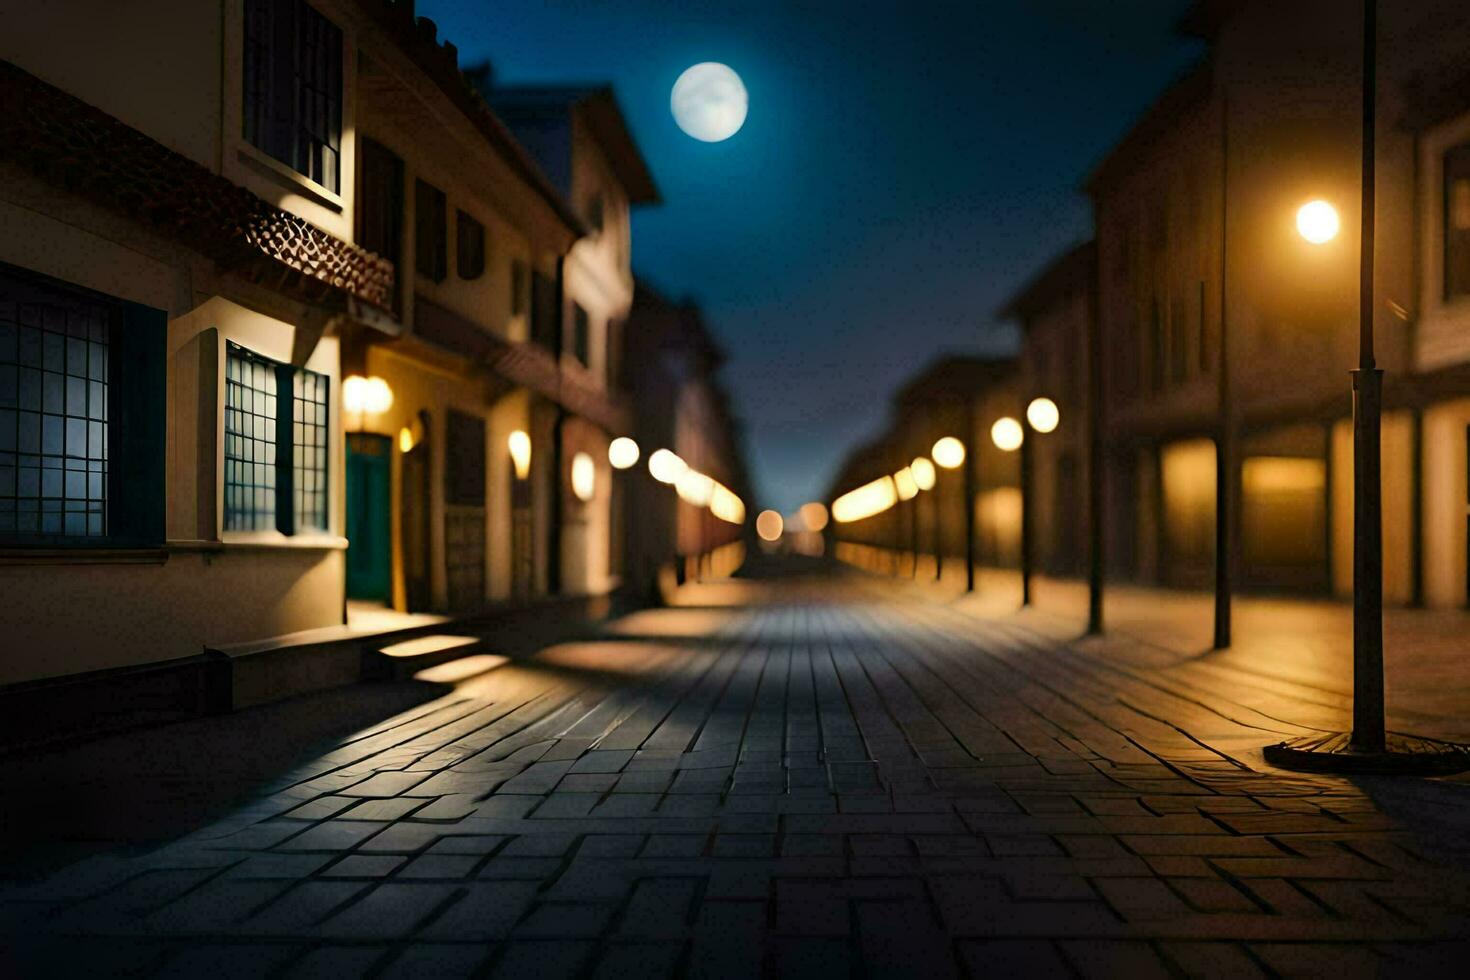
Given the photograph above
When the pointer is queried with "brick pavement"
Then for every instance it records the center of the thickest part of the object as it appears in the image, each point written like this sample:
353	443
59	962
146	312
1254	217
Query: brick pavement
793	778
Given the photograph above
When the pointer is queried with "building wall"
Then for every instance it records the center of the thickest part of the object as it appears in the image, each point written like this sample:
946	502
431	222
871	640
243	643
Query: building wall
171	606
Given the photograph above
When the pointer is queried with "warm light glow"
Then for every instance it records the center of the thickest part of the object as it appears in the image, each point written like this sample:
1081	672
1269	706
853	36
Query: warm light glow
666	467
584	477
421	645
622	453
948	452
865	501
694	487
1043	415
923	472
520	453
370	395
903	481
1317	222
1007	434
405	440
1283	474
725	505
813	515
769	525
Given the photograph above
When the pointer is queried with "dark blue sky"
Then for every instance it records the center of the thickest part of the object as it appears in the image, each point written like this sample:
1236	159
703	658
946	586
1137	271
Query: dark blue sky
905	166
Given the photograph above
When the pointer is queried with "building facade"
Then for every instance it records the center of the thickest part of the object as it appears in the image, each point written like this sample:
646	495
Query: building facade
1196	228
291	321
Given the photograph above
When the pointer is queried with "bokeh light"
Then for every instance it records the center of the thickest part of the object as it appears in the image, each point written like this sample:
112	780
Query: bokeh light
923	472
769	525
1007	434
1317	222
1043	415
813	515
867	500
903	482
666	467
949	452
584	477
622	453
519	445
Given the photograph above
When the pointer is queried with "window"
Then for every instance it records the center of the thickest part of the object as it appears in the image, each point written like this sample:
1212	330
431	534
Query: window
81	415
469	246
520	288
380	204
545	317
309	449
293	87
1457	222
580	332
430	231
464	459
275	445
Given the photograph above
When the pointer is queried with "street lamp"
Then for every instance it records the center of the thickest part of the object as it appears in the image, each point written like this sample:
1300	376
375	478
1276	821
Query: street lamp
1367	747
949	453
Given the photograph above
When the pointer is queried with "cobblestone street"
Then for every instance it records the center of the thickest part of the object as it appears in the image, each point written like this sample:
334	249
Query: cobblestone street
793	777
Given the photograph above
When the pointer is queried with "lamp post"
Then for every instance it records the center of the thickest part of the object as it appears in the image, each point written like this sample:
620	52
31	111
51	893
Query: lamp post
1367	748
923	473
950	453
1042	417
1008	436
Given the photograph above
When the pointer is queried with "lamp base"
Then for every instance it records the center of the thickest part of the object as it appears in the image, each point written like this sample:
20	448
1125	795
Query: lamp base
1405	755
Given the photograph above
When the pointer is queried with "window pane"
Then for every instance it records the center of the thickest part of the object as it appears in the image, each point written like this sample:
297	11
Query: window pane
250	435
430	231
52	466
1457	222
310	429
469	246
293	87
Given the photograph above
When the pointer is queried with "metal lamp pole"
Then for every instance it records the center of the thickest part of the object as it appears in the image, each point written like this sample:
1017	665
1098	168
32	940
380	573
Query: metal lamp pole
1367	748
1368	734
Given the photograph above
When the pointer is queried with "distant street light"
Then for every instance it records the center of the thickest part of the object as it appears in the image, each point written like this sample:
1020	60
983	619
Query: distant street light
666	467
769	525
949	452
622	453
922	471
1007	434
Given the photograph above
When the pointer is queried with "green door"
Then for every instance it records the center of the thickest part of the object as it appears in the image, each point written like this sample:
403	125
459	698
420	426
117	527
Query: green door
369	546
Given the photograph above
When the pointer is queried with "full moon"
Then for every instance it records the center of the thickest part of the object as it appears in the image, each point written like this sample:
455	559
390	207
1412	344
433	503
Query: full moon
709	102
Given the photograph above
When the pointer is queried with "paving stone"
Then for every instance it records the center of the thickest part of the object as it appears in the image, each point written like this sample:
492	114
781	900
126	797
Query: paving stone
365	866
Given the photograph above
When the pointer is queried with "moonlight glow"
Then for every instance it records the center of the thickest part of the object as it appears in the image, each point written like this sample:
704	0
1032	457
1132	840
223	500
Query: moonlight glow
709	102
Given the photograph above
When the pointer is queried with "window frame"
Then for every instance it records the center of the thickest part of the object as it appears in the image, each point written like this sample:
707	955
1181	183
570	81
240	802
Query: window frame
430	231
307	158
135	391
285	517
469	245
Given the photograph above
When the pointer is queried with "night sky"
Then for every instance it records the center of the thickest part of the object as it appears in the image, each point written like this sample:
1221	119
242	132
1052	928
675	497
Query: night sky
904	168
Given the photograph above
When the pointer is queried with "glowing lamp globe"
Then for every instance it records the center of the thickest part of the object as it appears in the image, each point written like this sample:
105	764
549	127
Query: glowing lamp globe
622	453
519	445
769	525
813	515
1007	434
1317	222
1043	415
709	102
923	473
948	452
584	477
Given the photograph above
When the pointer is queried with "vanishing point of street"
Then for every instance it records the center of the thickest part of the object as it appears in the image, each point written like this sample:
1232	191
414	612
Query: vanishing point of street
801	772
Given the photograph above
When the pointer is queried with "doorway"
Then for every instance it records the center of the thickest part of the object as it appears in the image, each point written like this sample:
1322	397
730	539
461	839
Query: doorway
369	549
